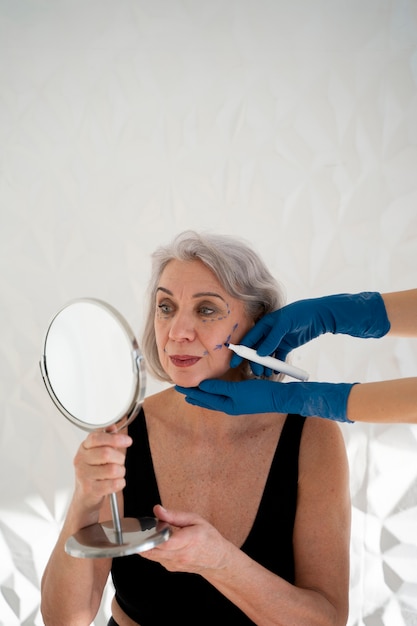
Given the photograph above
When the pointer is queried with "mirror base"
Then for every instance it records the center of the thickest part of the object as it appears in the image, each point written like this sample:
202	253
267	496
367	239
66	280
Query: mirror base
103	541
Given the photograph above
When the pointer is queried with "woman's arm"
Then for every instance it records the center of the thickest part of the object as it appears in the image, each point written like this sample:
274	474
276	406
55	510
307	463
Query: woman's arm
72	587
401	309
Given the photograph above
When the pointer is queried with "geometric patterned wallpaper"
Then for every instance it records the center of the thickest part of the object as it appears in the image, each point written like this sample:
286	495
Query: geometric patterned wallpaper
290	124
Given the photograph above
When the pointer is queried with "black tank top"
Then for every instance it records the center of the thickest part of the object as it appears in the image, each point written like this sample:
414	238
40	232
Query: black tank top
152	596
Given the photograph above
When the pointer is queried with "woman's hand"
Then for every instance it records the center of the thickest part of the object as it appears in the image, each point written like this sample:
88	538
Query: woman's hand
100	467
194	547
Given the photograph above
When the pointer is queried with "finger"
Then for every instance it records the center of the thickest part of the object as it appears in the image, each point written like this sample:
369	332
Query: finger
183	390
211	406
100	480
258	370
200	393
235	361
270	343
106	463
281	354
217	386
98	439
100	456
105	478
255	334
180	519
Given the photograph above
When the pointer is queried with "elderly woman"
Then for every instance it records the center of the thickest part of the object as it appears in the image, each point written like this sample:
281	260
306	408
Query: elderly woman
259	504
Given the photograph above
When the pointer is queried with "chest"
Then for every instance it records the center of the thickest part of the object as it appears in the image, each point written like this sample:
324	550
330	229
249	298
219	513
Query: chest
221	479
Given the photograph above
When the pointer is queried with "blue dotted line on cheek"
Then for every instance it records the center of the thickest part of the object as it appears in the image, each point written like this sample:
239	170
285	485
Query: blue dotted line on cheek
218	319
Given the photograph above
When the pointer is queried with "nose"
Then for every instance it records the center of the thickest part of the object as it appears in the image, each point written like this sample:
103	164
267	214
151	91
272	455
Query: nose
182	327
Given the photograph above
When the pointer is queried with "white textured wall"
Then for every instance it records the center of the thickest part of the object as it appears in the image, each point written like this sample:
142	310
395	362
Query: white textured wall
290	123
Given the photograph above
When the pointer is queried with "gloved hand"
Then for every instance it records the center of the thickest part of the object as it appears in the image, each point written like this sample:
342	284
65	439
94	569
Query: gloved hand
277	333
327	400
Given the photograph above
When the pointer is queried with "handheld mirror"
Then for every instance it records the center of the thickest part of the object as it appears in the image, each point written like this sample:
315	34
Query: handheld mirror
95	375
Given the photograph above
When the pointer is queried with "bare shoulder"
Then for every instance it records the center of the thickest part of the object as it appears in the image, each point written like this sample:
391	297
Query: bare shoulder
318	431
322	445
159	399
161	407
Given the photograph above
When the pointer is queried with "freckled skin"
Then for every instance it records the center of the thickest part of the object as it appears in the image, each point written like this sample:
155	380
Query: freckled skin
189	295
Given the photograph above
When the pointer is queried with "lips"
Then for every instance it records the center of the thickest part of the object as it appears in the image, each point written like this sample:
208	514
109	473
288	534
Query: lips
184	360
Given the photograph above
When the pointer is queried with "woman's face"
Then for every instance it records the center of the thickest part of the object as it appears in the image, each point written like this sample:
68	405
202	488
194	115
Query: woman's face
194	318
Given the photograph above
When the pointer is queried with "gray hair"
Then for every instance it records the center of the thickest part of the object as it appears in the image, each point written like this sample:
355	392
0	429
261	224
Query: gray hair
236	265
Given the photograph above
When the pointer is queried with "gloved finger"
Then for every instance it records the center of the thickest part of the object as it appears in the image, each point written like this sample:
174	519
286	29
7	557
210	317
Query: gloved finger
258	370
282	353
257	333
199	403
183	390
267	334
202	397
271	342
236	360
216	386
206	400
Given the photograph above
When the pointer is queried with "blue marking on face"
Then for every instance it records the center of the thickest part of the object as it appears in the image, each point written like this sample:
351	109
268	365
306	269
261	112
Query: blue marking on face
219	346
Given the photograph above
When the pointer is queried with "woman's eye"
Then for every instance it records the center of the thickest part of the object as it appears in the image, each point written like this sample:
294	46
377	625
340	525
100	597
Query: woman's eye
207	310
204	310
164	308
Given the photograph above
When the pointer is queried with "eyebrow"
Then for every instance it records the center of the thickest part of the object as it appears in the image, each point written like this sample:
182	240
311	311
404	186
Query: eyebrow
200	294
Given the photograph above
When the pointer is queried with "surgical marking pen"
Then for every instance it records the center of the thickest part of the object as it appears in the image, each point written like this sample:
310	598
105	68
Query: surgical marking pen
268	361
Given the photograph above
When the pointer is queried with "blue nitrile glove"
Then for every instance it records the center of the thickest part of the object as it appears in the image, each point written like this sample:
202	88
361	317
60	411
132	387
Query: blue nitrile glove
327	400
277	333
